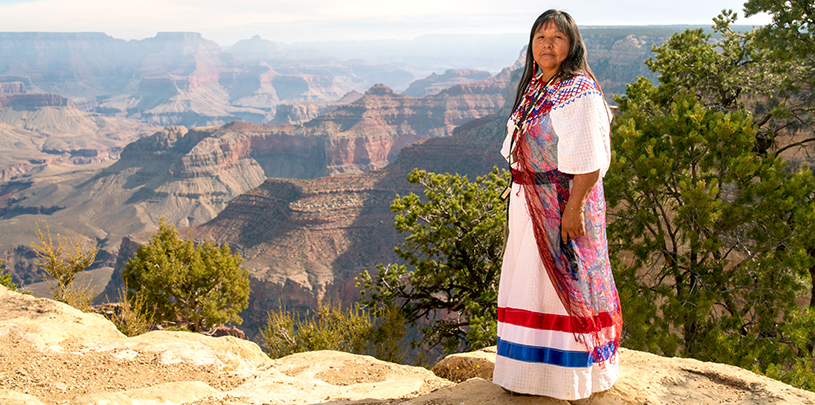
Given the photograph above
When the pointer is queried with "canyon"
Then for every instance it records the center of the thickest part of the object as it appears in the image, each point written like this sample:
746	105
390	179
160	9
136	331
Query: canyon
189	176
181	78
290	155
277	150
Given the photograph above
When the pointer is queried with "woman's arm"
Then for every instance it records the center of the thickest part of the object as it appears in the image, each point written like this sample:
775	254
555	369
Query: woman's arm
572	224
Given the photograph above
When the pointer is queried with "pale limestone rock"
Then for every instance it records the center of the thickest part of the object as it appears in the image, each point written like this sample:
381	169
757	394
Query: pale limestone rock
482	392
644	379
165	394
43	322
463	366
648	378
223	353
16	398
337	378
333	377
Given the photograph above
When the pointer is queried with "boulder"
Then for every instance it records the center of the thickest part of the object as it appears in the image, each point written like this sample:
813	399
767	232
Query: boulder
464	366
644	379
42	322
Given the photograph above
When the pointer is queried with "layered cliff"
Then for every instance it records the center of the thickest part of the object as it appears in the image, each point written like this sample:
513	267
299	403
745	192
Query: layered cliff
47	129
189	176
616	55
12	87
298	113
32	102
434	83
179	78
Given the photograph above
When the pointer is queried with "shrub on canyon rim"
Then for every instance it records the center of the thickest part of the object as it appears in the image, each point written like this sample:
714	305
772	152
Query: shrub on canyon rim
711	218
5	279
377	332
449	285
184	283
61	262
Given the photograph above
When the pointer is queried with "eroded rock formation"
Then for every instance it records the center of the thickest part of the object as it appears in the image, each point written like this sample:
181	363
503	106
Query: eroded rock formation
434	83
188	176
179	78
42	129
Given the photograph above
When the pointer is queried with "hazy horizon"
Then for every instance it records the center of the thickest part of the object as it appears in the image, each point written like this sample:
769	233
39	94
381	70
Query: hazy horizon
289	22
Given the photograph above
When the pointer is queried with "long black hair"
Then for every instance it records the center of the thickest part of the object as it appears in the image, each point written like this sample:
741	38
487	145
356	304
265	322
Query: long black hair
575	61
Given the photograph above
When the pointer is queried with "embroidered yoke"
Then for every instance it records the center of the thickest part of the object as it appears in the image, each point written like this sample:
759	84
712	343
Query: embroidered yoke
559	317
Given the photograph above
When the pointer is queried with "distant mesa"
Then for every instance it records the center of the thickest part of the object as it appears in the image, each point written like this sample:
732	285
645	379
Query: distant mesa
34	101
37	130
434	83
12	88
379	89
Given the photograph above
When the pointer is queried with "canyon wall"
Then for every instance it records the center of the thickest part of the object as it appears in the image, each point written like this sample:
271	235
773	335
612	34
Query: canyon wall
189	176
181	78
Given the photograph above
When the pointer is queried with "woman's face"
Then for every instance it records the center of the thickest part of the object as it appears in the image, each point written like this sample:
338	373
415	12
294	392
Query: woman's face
550	47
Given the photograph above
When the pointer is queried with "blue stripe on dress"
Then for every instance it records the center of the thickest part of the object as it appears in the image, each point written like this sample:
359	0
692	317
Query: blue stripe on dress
548	355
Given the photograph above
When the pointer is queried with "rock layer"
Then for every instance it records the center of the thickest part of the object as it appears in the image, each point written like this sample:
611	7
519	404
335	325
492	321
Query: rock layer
434	83
42	129
188	176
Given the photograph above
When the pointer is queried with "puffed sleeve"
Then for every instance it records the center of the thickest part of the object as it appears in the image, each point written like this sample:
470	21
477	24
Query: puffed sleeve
506	148
582	125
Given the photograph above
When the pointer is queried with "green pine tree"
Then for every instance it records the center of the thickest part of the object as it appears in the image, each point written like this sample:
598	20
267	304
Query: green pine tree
449	284
711	230
201	285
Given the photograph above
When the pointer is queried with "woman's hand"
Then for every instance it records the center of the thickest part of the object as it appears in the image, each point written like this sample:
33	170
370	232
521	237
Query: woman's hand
571	221
571	224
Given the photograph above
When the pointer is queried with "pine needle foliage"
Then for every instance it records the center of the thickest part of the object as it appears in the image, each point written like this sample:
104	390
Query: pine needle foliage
5	279
184	283
711	232
448	285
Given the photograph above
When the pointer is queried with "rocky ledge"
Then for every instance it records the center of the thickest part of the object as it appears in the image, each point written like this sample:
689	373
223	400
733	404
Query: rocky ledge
54	354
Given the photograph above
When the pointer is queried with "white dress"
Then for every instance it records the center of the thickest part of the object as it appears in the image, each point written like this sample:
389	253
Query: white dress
537	351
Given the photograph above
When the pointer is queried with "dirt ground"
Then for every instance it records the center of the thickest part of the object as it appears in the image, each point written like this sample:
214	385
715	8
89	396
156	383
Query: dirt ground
56	378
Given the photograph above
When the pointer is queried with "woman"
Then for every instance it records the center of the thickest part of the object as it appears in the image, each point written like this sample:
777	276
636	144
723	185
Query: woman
559	318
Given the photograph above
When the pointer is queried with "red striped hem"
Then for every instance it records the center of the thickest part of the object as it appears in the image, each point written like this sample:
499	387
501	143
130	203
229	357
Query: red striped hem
560	323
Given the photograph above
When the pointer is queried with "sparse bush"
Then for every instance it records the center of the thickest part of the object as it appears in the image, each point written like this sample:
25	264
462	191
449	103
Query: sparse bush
80	294
5	279
60	263
377	332
131	317
199	286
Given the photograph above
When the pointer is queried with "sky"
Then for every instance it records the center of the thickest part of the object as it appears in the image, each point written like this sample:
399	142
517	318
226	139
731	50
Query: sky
288	21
